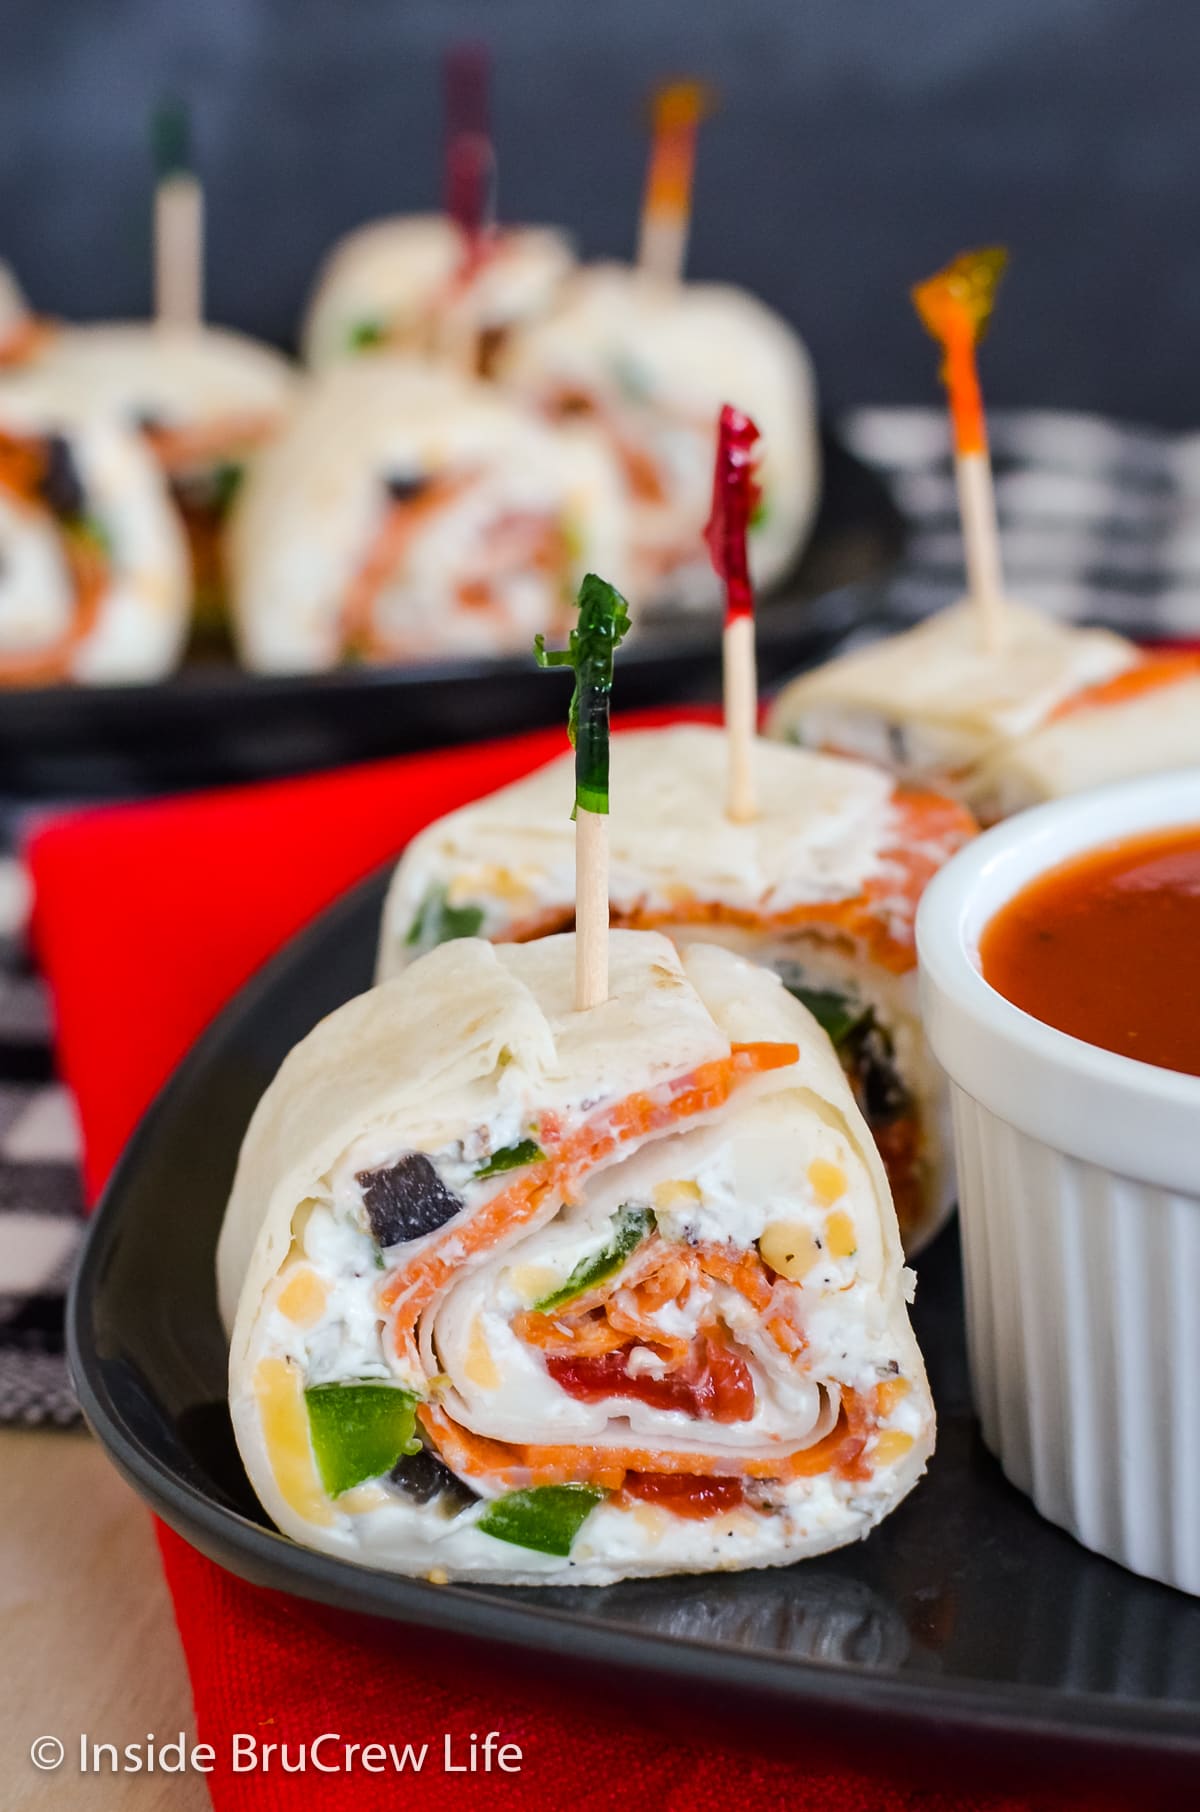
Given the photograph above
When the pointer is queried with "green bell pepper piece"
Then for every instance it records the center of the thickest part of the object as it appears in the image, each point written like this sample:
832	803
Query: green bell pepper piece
546	1519
359	1431
365	334
510	1157
630	1227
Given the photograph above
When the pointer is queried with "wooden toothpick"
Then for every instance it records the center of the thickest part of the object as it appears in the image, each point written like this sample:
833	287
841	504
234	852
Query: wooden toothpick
591	908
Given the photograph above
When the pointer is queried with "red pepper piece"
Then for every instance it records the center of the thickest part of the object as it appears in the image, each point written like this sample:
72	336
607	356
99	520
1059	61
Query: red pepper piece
715	1385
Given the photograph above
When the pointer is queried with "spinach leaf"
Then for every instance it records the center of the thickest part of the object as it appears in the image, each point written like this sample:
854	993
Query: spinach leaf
437	922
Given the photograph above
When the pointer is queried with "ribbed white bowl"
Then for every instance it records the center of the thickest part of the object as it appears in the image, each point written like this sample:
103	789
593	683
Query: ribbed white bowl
1079	1192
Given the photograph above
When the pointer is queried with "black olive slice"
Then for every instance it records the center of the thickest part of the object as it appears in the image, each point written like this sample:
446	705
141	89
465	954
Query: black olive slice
61	485
406	1200
403	488
422	1477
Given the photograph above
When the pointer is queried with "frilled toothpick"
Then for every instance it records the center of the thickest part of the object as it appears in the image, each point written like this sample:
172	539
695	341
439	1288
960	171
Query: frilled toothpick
955	306
470	175
603	622
678	108
736	496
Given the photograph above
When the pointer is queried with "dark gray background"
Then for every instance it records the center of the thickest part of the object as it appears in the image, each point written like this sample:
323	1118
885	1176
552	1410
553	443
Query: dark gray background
860	142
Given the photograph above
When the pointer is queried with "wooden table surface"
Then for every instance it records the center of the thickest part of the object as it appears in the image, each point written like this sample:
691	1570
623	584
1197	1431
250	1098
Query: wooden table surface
87	1638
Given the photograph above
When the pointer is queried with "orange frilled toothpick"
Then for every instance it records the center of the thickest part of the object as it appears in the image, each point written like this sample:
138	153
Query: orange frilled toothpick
678	108
955	306
736	495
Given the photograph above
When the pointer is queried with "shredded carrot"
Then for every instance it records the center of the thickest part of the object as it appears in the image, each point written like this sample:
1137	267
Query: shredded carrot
742	1271
537	924
401	523
180	449
924	829
521	541
704	1089
517	1466
22	469
1150	674
24	339
606	1318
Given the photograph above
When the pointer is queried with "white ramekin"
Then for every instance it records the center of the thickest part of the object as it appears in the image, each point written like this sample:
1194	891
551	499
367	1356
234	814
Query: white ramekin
1079	1193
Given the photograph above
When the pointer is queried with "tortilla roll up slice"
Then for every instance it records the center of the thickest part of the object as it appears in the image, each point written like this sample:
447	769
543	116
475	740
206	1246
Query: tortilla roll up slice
397	285
650	364
408	513
821	886
205	401
668	1335
935	707
22	333
94	577
1144	720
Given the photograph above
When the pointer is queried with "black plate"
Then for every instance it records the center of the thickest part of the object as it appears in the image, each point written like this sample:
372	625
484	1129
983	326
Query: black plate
965	1611
213	723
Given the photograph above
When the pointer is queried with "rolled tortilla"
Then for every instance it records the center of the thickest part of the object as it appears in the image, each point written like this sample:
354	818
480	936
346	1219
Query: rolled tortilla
205	400
933	705
822	887
523	1294
407	285
22	333
1146	720
409	512
94	578
653	363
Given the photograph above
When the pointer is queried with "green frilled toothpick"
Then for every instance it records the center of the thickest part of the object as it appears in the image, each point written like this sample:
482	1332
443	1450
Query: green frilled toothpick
178	221
603	622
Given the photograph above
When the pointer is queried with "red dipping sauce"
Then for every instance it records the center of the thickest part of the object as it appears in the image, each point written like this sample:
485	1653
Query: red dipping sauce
1107	948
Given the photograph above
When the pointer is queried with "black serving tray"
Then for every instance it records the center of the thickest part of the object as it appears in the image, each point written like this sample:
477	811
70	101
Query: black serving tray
214	723
964	1619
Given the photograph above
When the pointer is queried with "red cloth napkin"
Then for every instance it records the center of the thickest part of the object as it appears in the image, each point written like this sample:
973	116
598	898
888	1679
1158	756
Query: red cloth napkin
147	918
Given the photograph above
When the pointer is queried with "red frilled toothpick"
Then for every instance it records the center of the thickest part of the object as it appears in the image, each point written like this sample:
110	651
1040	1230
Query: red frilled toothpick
468	74
736	495
470	159
470	195
470	186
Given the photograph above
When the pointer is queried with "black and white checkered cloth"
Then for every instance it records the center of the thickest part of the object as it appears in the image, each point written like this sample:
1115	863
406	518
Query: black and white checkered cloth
40	1197
1098	520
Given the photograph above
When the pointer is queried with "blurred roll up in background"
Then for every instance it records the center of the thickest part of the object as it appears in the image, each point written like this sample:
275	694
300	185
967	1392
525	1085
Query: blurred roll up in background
855	143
